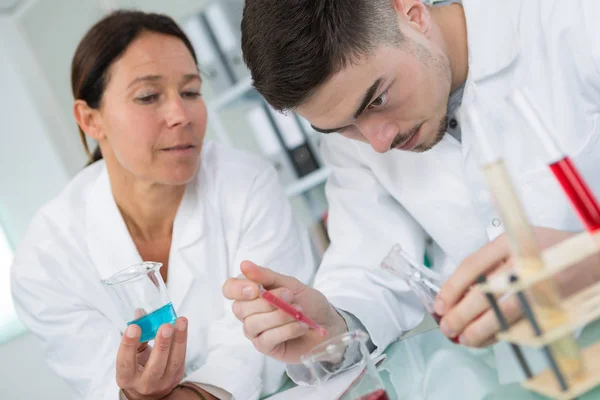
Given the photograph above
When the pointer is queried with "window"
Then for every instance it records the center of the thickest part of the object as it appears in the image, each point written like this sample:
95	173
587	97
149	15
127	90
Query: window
9	324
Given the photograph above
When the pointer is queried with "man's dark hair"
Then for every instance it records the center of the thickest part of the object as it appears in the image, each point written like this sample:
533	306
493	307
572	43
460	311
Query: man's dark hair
294	46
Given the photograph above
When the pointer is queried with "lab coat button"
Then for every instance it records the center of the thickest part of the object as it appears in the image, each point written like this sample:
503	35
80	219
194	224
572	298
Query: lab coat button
496	222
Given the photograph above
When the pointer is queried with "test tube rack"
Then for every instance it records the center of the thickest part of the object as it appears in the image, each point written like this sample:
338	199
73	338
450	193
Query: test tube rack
582	308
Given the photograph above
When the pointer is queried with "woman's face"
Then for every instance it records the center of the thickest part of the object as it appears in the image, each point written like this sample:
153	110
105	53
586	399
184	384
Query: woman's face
152	115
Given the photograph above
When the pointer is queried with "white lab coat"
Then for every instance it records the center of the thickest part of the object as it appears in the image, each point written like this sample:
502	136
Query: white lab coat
376	200
233	210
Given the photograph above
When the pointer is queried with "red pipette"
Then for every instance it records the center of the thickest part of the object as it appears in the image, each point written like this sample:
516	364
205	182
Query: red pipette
291	311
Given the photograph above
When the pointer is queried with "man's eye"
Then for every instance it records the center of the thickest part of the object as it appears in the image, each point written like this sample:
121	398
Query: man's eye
380	101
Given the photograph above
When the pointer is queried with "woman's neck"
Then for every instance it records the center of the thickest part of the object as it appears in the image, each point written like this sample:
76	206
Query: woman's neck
148	209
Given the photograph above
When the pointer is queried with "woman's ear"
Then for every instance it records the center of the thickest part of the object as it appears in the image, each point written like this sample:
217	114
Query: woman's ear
88	120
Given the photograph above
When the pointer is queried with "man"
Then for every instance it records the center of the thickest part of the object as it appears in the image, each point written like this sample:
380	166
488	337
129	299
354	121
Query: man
384	80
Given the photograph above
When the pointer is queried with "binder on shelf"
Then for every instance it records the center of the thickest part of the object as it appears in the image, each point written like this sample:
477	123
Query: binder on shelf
269	143
228	40
300	152
209	61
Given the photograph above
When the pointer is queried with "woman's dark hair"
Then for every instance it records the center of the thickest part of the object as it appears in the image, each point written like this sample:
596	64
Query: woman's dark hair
104	44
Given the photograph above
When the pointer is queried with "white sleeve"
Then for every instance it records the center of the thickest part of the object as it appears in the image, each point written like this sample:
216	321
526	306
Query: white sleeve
270	237
79	343
364	222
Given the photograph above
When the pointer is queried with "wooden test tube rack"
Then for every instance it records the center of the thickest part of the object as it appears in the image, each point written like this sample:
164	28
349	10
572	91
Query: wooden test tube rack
582	308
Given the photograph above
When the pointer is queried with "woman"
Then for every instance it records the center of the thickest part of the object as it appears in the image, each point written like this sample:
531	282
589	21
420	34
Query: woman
159	194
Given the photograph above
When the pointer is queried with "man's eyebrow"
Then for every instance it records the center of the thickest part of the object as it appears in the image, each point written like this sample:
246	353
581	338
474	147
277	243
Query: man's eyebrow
326	130
365	102
368	97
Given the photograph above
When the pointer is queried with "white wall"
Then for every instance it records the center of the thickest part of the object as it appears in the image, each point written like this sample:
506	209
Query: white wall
31	172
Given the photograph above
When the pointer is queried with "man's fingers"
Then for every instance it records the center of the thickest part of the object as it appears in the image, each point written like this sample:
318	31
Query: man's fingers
240	289
176	362
480	262
257	324
244	309
270	279
157	363
127	356
463	313
484	329
269	340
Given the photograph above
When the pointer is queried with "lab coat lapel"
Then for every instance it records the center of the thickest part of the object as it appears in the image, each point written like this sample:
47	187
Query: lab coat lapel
188	229
110	245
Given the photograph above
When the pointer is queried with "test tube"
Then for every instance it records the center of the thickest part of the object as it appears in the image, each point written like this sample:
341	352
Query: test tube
544	295
581	197
424	282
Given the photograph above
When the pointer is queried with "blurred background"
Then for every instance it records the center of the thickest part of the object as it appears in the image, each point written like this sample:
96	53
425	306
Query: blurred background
40	149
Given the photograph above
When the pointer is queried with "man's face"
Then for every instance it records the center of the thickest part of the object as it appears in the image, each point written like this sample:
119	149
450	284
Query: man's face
395	98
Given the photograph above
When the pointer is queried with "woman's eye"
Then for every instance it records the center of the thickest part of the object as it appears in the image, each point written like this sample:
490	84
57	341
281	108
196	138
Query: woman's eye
147	98
191	94
379	101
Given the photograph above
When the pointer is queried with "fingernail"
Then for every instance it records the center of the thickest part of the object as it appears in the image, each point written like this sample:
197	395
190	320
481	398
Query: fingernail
130	331
287	296
303	325
182	325
248	292
298	307
167	331
439	306
446	329
462	340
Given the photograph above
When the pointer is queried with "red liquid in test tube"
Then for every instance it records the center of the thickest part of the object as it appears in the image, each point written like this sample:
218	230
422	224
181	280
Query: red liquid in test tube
378	394
292	311
573	185
579	193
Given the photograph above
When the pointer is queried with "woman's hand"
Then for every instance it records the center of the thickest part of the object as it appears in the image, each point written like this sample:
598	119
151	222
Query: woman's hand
146	373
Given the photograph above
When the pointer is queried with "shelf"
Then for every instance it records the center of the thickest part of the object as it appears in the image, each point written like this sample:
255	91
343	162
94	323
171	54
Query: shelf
231	94
308	182
556	259
545	383
581	309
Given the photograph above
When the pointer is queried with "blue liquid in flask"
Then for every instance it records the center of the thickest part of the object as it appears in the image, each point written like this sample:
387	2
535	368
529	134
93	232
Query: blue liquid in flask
150	323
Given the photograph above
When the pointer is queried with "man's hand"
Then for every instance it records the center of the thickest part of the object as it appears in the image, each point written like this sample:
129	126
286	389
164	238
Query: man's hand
146	373
465	313
184	393
273	332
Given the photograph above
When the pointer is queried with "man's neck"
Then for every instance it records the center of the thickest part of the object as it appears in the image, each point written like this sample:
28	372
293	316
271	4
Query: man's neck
148	209
451	22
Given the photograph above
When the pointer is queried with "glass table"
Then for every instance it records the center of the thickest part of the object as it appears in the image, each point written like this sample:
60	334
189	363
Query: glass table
427	366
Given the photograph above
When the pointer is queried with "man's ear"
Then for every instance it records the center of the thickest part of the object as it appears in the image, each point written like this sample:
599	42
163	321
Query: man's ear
415	13
88	120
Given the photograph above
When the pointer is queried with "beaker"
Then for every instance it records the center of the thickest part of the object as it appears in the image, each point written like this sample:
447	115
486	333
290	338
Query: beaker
342	353
141	296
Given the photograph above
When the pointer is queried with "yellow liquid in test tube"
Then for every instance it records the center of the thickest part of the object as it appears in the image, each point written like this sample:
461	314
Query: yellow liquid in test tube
544	296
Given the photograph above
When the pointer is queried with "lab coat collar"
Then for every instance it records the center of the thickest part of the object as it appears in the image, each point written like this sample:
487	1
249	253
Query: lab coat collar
112	248
493	44
110	245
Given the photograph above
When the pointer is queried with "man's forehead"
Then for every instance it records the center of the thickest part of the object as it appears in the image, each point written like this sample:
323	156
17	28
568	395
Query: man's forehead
337	98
